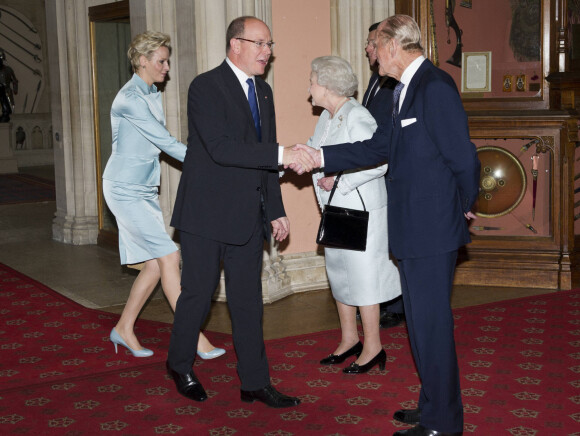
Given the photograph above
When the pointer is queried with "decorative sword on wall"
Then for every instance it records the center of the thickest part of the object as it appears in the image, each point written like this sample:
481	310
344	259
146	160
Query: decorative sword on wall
32	29
36	72
535	159
450	22
34	56
32	43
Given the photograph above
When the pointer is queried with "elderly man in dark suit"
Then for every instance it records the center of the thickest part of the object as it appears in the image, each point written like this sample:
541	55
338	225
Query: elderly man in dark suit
227	202
432	184
378	99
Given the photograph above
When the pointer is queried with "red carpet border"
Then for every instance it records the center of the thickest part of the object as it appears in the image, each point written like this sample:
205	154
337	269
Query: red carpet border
519	359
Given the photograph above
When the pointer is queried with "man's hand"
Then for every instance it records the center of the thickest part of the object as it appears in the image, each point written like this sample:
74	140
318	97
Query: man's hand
326	183
297	159
316	155
280	228
470	215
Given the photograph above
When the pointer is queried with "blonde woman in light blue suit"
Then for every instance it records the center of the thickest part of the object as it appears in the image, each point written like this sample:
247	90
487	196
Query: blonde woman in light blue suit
130	186
362	279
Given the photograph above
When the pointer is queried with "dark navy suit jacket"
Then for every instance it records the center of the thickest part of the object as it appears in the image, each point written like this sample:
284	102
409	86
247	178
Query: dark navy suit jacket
433	175
227	173
382	103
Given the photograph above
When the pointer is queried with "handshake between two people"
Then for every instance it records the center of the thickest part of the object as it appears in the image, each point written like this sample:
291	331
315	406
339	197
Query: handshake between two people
301	158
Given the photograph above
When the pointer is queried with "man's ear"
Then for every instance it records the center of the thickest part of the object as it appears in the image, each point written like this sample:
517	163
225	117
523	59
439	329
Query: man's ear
393	48
235	45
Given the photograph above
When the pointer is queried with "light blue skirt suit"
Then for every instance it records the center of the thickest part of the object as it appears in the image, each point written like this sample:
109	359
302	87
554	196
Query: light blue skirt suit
357	278
132	174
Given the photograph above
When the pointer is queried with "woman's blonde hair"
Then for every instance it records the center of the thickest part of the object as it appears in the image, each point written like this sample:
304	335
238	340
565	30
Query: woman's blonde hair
145	44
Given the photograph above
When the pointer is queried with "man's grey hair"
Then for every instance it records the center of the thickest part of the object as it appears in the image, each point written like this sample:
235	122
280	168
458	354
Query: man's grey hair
335	74
236	29
404	30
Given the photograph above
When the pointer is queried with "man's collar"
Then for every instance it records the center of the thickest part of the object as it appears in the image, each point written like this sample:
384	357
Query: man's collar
411	70
242	77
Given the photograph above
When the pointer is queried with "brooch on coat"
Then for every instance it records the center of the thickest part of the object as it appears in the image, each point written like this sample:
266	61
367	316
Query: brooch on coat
340	118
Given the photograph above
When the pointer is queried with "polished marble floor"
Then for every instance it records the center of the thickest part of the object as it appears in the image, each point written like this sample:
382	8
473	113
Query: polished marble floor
91	275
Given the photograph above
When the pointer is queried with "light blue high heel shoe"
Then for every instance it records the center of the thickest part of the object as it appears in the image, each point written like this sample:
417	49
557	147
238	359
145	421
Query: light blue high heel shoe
216	352
116	339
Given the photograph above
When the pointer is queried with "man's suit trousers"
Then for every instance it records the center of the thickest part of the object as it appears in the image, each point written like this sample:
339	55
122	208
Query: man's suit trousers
242	264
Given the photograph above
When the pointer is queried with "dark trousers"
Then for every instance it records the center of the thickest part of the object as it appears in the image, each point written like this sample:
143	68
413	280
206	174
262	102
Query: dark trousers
426	285
393	306
199	280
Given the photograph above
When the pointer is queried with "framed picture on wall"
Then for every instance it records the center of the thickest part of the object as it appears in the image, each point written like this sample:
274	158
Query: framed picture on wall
476	71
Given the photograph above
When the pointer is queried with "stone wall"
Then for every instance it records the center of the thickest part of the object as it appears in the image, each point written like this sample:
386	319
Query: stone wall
23	39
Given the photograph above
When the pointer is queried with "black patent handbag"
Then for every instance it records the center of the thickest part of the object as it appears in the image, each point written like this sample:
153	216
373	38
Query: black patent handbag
341	227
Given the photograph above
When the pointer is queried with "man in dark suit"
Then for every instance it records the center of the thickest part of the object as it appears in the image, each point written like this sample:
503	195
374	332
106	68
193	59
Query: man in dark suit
227	202
378	99
432	183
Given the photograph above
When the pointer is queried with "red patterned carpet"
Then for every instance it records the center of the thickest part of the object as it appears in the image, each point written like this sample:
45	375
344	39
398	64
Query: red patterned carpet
25	188
520	369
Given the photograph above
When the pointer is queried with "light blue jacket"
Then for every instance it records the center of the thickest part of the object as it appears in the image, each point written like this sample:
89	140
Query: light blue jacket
139	135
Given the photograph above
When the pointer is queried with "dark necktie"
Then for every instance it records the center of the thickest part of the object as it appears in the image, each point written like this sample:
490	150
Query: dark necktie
254	107
396	95
372	92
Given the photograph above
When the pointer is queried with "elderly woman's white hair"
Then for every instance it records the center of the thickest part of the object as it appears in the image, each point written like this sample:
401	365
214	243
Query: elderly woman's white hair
335	74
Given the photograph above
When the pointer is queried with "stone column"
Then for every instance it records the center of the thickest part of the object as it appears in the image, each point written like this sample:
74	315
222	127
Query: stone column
72	116
168	17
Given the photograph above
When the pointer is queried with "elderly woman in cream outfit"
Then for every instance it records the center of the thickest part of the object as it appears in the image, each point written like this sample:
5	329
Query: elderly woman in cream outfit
130	187
362	279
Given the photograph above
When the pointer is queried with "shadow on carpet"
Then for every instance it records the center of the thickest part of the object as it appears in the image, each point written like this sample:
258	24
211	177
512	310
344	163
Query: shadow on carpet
25	188
519	362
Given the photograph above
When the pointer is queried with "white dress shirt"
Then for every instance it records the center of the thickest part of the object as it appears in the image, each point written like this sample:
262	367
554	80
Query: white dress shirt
243	77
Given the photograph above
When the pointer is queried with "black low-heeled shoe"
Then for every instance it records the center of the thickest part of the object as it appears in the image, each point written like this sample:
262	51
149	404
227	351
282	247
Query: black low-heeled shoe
355	350
380	359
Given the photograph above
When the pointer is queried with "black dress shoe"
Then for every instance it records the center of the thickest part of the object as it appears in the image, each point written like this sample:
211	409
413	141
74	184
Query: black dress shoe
419	430
390	319
356	349
270	397
379	359
188	385
408	416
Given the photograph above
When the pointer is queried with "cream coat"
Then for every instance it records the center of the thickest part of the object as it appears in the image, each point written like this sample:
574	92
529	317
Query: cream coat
357	278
